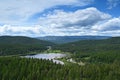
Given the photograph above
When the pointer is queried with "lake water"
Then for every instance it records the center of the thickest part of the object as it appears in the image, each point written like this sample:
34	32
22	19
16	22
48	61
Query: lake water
48	56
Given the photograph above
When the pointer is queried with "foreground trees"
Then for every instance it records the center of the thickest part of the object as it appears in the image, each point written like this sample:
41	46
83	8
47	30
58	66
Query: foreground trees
15	68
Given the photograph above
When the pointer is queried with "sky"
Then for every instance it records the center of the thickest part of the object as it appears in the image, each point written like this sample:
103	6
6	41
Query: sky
35	18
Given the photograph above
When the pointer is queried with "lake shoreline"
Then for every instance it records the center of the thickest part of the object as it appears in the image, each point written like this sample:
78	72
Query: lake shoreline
48	56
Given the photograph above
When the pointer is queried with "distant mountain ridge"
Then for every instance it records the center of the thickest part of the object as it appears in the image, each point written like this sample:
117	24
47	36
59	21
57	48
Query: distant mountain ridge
67	39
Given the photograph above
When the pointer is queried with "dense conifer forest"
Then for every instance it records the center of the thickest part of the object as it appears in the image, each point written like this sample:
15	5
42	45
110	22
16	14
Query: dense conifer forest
14	68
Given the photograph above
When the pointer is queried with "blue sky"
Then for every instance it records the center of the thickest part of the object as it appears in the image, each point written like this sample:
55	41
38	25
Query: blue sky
60	17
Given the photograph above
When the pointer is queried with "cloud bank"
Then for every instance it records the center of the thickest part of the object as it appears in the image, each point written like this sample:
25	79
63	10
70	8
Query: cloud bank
89	21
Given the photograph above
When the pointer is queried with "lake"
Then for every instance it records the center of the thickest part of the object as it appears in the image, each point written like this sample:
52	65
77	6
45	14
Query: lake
48	56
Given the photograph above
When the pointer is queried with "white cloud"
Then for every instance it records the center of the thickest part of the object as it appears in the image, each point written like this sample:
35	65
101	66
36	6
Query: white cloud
36	30
18	30
17	11
89	21
113	3
110	25
80	18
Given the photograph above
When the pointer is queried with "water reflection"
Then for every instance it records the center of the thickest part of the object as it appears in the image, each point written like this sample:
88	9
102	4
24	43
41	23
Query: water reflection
50	56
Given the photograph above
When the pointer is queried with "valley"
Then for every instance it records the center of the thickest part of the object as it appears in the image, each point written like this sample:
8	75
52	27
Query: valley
24	58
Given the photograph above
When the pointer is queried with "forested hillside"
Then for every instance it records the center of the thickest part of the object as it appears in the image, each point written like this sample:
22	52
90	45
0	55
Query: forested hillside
22	40
106	50
21	45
